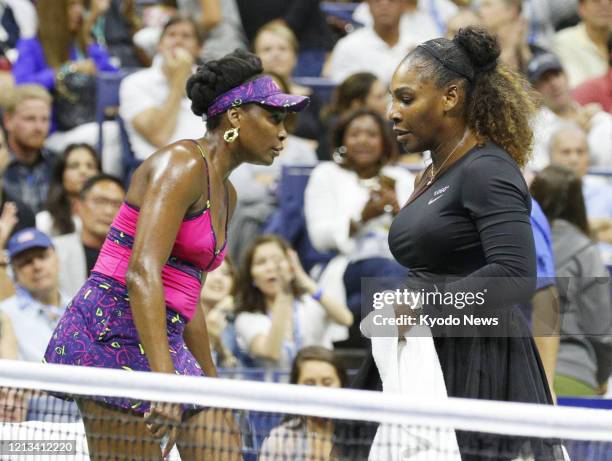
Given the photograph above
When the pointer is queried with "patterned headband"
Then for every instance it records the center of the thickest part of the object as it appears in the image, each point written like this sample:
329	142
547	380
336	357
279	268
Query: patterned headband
262	90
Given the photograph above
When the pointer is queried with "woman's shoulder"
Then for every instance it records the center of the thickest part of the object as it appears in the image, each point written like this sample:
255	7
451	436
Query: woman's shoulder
569	236
490	154
180	157
489	158
570	243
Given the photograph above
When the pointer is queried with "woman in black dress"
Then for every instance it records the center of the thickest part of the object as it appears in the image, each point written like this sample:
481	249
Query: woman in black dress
468	222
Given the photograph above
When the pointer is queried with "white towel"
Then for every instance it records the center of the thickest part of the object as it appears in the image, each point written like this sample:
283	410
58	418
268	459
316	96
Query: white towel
409	367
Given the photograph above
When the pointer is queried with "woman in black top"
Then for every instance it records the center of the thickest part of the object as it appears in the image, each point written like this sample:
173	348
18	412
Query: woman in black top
468	221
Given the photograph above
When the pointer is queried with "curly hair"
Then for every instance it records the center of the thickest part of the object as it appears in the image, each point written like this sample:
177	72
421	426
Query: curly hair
499	103
218	76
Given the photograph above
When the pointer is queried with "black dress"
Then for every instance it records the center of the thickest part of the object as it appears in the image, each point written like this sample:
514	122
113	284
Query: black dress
472	224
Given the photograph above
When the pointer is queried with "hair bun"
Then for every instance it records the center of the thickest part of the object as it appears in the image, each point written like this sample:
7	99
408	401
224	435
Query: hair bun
481	47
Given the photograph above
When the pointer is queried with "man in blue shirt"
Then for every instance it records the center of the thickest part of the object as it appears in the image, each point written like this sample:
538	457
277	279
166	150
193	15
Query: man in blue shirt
38	305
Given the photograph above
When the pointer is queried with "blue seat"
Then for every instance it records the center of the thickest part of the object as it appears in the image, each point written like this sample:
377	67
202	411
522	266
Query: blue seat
288	220
107	108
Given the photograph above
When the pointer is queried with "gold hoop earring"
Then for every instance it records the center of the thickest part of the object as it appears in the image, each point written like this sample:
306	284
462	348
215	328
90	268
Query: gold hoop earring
231	135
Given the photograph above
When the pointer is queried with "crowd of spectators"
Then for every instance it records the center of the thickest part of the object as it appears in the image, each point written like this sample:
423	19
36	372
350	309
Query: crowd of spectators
59	195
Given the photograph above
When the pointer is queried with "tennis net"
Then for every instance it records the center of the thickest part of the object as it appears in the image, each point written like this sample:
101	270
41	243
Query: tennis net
244	420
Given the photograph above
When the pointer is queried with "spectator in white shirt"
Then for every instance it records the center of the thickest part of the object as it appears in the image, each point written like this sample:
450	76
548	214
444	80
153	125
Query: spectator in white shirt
349	205
378	48
153	102
280	308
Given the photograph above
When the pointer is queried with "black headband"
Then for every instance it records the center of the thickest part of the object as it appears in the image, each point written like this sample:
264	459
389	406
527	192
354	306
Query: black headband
434	51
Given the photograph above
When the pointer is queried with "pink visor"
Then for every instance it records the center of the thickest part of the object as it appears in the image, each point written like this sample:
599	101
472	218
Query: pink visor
262	91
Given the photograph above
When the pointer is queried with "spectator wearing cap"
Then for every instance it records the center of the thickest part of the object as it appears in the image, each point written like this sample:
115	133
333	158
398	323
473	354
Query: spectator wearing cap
38	304
582	48
98	203
547	75
27	118
153	102
597	90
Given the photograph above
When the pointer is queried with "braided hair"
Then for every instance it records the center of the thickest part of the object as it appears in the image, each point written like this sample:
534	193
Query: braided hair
216	77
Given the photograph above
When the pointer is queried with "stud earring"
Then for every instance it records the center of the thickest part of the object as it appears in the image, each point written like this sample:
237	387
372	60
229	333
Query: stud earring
231	135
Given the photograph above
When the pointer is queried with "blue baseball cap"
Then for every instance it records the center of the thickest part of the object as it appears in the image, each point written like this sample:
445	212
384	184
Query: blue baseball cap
27	239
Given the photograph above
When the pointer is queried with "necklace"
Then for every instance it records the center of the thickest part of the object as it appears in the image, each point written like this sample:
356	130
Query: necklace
432	174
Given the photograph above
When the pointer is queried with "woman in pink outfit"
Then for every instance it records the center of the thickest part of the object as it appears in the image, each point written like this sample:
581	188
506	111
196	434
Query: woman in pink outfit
138	310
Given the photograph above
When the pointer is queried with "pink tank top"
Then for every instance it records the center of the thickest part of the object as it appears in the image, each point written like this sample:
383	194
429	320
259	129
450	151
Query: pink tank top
194	252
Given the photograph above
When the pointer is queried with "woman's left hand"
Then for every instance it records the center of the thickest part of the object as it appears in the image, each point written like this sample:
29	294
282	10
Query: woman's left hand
302	279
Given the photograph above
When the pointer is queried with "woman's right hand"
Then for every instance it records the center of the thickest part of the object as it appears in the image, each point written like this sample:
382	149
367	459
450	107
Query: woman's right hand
164	419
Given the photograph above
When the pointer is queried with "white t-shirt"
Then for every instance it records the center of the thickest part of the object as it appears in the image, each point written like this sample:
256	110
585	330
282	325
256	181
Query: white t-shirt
311	328
364	51
144	90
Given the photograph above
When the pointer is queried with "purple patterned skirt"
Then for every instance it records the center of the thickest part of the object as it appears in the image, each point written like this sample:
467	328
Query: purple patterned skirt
97	330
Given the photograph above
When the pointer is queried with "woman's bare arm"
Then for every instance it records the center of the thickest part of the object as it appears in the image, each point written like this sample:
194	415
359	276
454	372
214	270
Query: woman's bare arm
175	183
